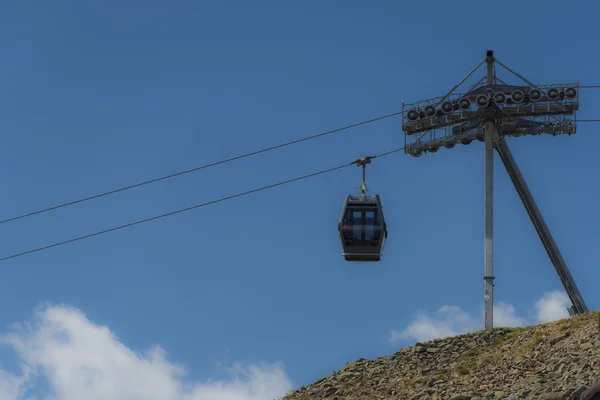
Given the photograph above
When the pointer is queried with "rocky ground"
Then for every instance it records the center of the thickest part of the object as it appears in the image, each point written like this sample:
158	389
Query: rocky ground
550	361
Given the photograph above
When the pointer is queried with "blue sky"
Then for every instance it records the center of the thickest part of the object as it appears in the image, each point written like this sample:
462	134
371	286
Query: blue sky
99	95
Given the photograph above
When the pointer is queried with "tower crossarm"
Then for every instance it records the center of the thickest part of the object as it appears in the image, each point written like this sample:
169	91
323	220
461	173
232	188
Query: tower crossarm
578	305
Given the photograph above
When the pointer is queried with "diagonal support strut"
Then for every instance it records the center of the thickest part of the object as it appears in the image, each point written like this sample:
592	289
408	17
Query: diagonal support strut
578	306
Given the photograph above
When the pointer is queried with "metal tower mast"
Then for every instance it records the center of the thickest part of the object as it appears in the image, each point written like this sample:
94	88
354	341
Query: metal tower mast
578	305
488	277
502	110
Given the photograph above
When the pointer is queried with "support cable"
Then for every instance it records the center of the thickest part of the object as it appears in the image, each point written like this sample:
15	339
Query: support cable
35	250
122	189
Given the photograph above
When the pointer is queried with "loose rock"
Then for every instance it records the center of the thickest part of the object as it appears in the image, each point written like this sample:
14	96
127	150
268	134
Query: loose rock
553	361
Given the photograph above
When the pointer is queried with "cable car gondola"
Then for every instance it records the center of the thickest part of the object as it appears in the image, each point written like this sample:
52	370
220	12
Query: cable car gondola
362	227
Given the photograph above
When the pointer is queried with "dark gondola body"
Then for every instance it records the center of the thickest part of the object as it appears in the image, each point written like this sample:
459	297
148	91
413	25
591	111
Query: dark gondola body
362	229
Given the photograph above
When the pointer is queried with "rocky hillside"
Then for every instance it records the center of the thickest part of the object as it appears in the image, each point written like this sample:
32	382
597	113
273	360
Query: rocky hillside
550	361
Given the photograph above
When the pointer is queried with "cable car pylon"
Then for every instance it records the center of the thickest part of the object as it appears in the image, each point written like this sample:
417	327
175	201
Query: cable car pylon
362	227
489	111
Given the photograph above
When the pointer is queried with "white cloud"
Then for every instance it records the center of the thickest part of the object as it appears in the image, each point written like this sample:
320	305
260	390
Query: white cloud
82	360
505	316
451	320
552	306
